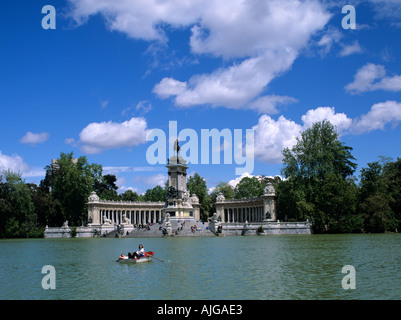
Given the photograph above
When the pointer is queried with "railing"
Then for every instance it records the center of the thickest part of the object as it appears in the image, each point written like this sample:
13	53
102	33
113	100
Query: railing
137	203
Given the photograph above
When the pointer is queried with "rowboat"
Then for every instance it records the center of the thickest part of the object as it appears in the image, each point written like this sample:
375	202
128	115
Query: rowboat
146	258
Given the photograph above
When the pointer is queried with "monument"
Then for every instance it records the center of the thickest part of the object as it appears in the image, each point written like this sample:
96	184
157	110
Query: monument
179	204
179	214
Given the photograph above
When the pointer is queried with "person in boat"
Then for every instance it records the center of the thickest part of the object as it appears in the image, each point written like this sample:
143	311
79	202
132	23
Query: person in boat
137	254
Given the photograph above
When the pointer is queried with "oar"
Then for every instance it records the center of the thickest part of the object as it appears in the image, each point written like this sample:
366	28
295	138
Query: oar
156	258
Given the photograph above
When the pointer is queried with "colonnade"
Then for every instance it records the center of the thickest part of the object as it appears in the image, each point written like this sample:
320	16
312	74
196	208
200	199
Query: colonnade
247	210
143	216
242	214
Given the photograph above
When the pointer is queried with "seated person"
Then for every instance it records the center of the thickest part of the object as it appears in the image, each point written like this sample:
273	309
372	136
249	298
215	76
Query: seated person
137	254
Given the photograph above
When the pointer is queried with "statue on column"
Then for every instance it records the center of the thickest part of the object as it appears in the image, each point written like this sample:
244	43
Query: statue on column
176	147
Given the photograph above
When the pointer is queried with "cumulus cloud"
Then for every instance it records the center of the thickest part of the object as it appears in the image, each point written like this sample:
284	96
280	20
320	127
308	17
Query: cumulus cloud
378	117
16	163
34	138
261	39
373	77
339	120
268	104
272	136
97	137
232	87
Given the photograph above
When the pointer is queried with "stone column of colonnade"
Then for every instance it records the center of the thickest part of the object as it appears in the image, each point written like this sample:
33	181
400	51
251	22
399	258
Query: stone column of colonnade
242	214
135	216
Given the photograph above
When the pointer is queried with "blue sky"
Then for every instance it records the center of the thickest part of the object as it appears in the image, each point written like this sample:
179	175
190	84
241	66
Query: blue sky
112	71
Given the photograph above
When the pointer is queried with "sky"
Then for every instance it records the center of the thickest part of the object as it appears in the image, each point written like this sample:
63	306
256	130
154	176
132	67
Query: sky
107	74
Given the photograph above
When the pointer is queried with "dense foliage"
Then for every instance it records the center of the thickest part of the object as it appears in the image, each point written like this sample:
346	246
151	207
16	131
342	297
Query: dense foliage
319	185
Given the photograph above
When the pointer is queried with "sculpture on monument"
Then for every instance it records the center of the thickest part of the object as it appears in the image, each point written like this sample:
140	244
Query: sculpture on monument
106	220
125	219
269	189
176	146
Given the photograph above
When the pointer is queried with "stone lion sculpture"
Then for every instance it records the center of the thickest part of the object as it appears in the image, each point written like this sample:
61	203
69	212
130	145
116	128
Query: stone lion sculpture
105	220
126	219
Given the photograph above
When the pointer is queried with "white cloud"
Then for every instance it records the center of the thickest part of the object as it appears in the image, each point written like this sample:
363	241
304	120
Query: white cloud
353	48
156	180
339	120
261	39
97	137
169	87
149	182
139	19
272	136
235	181
373	77
34	138
388	10
378	117
16	163
330	37
232	87
268	104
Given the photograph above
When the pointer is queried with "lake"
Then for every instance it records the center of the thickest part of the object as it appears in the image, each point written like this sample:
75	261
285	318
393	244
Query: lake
216	268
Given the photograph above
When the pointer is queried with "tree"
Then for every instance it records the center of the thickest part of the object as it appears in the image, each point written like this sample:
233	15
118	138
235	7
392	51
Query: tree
71	181
222	187
155	194
392	181
129	195
248	187
317	169
197	185
106	187
226	189
19	219
317	153
379	196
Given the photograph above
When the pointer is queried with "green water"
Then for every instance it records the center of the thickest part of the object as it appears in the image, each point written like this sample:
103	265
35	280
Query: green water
218	268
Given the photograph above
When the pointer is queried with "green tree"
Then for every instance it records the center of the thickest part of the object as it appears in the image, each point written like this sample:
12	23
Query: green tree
318	169
17	208
106	187
6	209
155	194
380	191
222	187
71	181
226	189
197	185
129	195
392	181
248	187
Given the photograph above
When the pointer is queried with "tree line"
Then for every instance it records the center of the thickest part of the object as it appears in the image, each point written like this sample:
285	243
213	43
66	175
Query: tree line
319	185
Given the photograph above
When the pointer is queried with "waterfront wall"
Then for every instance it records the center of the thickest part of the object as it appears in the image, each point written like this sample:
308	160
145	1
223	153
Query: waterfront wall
269	228
227	229
68	232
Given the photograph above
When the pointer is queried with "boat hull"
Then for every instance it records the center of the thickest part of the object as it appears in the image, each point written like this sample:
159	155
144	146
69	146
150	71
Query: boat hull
140	260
